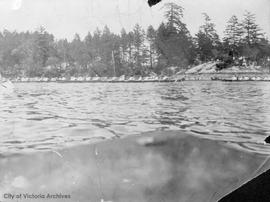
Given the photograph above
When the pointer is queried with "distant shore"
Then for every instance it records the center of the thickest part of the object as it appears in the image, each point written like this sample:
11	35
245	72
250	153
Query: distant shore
228	76
202	72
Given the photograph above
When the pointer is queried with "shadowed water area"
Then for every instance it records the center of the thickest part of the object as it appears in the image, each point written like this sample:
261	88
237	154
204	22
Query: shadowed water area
48	116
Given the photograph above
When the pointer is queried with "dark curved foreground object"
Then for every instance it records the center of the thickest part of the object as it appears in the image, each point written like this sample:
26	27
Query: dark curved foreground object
256	190
153	2
267	140
151	167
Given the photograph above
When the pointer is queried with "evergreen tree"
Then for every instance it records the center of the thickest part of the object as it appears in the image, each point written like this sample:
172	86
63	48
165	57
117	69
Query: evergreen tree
253	38
138	42
124	45
64	52
88	41
207	40
42	50
151	38
96	41
88	52
174	42
130	39
109	50
233	34
106	46
162	47
173	15
76	48
252	31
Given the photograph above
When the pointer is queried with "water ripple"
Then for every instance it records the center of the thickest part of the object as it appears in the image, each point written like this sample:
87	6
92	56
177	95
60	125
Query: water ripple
40	116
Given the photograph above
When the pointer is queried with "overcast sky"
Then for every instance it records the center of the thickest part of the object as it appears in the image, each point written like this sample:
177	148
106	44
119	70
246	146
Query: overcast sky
64	18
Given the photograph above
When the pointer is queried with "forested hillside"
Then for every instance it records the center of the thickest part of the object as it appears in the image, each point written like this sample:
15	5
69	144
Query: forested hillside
165	50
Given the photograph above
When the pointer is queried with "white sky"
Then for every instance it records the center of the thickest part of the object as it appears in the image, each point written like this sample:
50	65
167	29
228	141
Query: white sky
64	18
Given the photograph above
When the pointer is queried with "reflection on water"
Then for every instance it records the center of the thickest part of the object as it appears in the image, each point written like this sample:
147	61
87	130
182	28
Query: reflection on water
50	115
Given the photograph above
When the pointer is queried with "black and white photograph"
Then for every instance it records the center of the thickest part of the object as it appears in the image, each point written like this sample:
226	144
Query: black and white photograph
134	100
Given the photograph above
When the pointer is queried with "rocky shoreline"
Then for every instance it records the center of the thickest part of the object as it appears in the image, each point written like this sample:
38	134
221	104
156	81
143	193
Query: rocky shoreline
231	76
203	72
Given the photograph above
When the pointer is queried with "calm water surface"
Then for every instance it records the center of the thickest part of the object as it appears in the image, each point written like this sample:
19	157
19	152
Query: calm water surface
45	116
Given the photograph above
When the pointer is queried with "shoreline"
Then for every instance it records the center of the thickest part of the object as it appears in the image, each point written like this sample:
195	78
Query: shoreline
230	76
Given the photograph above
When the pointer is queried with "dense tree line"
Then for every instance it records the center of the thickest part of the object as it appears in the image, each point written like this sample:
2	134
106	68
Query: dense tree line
165	50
